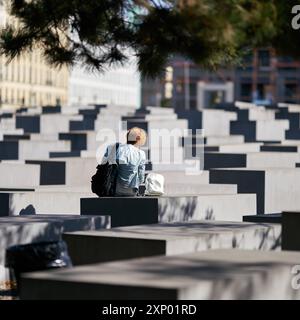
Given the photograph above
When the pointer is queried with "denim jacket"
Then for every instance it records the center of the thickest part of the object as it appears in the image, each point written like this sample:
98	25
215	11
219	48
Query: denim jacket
131	162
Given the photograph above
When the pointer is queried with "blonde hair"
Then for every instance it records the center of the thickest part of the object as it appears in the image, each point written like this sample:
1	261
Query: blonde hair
136	135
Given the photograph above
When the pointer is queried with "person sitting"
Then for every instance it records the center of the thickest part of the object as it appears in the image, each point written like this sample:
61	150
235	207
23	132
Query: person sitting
131	160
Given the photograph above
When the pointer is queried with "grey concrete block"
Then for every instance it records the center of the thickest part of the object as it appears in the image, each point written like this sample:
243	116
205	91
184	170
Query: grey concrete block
126	211
271	129
14	203
28	123
30	150
16	175
279	148
213	274
78	140
32	173
241	147
198	189
39	150
51	172
86	247
14	136
54	123
36	228
277	189
224	160
290	231
79	170
264	218
173	177
272	159
9	150
250	160
224	140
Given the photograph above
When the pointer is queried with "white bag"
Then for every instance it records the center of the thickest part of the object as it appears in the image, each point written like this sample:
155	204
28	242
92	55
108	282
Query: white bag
154	184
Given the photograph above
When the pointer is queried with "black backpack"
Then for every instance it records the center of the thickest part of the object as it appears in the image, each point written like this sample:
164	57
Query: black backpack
103	182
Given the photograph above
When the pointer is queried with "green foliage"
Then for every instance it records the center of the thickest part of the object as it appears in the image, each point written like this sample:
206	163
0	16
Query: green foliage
99	33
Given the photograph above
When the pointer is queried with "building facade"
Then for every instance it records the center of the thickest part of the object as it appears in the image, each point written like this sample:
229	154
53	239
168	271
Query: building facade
262	77
118	86
265	76
28	80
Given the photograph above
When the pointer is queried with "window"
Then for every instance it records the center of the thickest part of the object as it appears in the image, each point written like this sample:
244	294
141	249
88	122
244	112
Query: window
193	104
290	90
264	58
193	89
246	89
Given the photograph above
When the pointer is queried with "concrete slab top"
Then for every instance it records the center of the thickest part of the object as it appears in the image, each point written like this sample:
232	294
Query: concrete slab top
290	142
178	271
51	191
177	230
178	197
28	219
293	212
16	189
258	153
166	196
227	188
257	169
63	188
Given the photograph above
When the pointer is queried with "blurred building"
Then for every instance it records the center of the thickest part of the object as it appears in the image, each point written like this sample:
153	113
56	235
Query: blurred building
262	77
267	77
28	80
118	86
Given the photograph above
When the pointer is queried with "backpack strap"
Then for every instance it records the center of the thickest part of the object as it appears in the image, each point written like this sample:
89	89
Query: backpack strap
117	149
113	157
